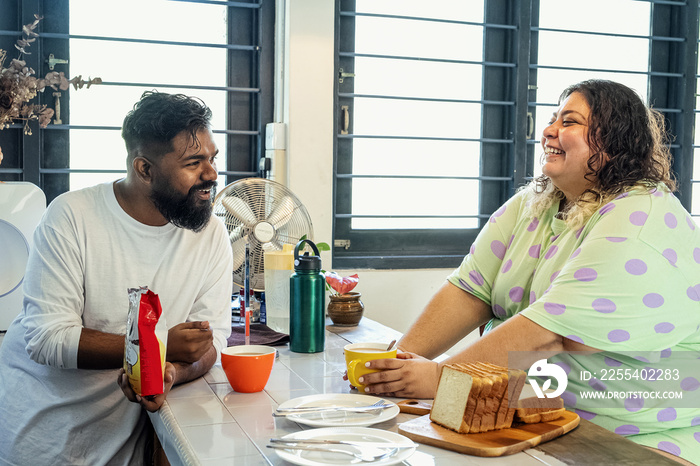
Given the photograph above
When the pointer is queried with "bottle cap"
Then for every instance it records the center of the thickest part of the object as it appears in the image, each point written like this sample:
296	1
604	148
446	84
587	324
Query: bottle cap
307	262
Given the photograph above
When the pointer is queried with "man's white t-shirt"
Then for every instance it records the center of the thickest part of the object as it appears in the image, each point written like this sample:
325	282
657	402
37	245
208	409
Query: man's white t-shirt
87	253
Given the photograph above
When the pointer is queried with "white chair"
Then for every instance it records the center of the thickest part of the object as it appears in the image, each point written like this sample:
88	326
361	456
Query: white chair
21	206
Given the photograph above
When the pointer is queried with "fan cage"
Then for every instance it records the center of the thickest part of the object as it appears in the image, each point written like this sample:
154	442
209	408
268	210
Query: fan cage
248	207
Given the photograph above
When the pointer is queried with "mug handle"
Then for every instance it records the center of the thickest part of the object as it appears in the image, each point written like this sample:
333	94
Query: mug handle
352	377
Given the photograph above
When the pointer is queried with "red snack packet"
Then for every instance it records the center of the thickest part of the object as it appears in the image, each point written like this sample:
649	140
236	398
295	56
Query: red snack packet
145	346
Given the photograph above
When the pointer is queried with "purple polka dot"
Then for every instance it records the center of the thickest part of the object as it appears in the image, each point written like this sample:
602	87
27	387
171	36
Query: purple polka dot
465	285
638	218
578	232
506	267
498	249
612	362
554	276
643	359
533	297
498	213
693	292
656	193
576	253
554	308
533	225
604	305
666	353
587	415
690	222
695	421
534	251
636	267
616	239
627	429
670	220
622	196
696	255
551	251
634	403
575	338
606	208
472	249
553	238
564	366
669	447
596	384
690	384
671	256
516	294
585	274
618	335
665	415
653	300
511	240
568	398
476	278
664	327
696	435
498	310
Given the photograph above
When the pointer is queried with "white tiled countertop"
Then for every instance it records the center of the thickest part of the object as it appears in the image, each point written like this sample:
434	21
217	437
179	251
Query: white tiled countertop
206	422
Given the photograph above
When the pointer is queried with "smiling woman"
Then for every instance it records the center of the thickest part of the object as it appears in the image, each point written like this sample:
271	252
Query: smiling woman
571	284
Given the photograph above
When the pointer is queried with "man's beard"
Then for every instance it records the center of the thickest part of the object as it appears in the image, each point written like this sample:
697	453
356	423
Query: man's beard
183	211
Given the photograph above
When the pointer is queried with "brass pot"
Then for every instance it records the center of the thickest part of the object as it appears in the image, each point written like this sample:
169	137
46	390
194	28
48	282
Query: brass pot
345	310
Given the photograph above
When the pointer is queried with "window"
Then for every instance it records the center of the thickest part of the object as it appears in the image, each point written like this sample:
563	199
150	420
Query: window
218	51
440	106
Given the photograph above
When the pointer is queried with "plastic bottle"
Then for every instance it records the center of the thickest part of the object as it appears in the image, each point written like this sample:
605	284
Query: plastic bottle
307	302
279	266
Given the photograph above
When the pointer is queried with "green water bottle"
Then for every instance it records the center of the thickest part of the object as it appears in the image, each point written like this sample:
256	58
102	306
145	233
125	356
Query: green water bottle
307	317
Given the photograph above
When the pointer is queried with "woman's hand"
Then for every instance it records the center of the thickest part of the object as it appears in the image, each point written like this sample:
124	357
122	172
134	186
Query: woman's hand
409	376
152	403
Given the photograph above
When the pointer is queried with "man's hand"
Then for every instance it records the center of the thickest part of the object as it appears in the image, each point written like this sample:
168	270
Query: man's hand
189	341
409	376
152	403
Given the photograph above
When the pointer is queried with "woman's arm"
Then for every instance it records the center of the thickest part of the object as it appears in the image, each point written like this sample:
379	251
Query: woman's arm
417	377
451	314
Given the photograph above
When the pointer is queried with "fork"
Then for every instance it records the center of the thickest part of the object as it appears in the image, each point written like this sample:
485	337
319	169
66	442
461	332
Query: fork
368	455
381	404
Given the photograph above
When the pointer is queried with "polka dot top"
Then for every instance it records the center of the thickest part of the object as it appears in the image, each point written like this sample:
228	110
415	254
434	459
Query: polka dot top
636	262
627	281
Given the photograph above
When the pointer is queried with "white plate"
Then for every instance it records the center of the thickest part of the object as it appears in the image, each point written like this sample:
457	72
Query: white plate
339	418
358	434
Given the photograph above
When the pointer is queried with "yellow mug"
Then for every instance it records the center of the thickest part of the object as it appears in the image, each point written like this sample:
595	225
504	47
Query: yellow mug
357	355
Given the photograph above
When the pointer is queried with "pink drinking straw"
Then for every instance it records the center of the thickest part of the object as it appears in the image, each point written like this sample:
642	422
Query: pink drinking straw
246	291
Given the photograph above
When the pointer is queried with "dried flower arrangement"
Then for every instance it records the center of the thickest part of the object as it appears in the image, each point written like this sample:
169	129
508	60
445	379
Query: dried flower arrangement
18	85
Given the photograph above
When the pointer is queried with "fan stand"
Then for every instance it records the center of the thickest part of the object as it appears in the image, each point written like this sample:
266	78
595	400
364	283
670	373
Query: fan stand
246	293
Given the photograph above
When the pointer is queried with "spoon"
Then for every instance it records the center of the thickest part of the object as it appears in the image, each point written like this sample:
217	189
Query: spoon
391	345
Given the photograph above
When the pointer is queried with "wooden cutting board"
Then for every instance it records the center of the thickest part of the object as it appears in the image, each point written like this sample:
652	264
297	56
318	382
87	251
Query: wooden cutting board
495	443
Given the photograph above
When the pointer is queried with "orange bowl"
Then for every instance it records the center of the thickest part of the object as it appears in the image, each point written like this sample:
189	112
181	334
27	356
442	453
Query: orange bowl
248	367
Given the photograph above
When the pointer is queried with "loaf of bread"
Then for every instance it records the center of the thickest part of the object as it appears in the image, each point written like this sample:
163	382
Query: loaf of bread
532	409
475	397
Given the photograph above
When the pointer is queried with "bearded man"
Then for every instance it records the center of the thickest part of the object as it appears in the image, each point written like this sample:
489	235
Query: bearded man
60	358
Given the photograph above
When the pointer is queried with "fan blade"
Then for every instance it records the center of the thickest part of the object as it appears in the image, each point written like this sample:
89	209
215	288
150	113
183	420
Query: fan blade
238	247
282	213
235	234
239	209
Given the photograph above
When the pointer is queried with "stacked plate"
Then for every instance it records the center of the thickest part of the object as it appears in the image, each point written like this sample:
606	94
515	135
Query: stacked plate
345	438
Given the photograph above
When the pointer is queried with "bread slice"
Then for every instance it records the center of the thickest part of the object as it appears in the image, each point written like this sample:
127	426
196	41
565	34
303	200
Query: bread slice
532	409
474	397
455	398
492	400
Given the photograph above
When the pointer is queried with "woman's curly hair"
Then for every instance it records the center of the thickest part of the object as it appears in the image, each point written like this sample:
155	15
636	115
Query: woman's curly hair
622	131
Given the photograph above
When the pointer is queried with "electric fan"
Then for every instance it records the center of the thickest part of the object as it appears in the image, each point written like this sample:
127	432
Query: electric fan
265	215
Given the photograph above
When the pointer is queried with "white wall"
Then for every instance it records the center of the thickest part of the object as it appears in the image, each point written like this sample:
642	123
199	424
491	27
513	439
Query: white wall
392	297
